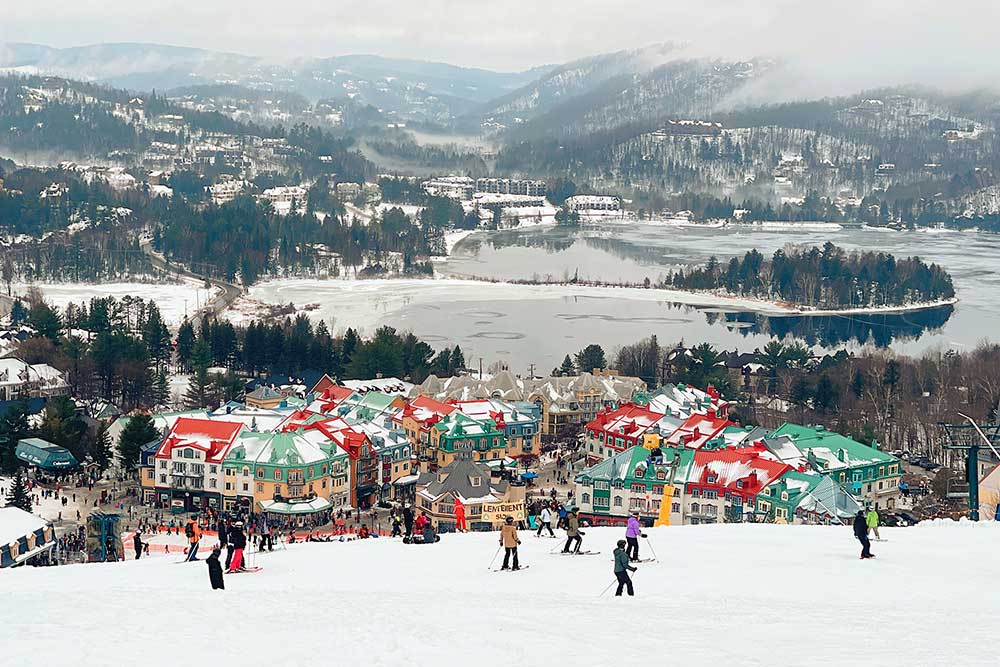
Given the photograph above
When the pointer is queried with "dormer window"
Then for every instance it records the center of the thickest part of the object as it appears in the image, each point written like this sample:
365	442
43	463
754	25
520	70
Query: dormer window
712	478
739	484
476	481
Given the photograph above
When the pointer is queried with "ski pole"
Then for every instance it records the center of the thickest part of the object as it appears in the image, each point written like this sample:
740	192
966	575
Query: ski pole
492	560
651	549
608	588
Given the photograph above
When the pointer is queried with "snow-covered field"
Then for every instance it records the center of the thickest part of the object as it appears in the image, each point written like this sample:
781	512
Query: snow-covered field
721	595
170	297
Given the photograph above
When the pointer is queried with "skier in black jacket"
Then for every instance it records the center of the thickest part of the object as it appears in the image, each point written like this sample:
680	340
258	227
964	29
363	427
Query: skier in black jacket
408	519
861	532
215	570
223	532
239	541
137	543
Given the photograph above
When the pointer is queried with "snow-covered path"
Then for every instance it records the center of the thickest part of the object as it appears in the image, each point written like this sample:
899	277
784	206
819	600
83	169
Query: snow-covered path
746	595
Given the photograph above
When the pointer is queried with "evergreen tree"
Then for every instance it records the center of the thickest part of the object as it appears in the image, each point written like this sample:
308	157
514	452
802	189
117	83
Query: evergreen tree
591	357
160	391
13	426
138	432
18	495
457	360
567	367
100	450
18	313
185	342
199	392
45	320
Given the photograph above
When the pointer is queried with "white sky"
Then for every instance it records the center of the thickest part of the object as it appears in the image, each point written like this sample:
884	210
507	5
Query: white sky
843	42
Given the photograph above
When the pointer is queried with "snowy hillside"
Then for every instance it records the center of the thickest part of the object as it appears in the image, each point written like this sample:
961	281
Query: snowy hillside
747	595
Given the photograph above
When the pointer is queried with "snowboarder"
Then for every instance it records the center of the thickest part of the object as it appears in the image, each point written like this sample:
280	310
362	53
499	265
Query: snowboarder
137	543
193	534
622	569
509	541
408	519
239	542
215	570
460	516
545	521
872	521
861	532
573	532
632	533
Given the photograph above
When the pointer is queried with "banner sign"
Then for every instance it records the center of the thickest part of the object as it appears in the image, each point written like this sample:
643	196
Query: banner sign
498	512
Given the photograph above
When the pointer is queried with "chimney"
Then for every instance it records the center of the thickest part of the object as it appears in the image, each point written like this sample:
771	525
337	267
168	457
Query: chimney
711	413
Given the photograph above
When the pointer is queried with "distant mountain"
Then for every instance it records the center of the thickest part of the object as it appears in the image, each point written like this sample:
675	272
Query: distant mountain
408	88
622	88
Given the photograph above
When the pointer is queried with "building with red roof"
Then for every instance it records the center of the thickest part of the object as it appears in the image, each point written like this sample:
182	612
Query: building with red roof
614	431
698	430
188	463
723	484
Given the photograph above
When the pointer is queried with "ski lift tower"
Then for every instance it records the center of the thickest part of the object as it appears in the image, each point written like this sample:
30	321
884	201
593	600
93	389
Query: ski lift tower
969	438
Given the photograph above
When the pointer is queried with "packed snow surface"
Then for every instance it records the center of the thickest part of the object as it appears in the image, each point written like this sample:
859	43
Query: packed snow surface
171	298
721	595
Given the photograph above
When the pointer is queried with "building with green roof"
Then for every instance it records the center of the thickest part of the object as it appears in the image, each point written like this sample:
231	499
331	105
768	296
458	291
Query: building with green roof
869	474
807	497
457	436
287	469
609	491
45	455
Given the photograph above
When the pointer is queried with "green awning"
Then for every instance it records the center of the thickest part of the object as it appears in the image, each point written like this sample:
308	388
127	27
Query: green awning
45	455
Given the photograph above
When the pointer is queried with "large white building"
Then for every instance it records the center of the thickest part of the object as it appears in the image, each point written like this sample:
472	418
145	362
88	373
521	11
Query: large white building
511	186
22	380
455	187
583	203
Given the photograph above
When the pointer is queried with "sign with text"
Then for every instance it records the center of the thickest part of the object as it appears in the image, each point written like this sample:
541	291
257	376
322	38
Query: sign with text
498	512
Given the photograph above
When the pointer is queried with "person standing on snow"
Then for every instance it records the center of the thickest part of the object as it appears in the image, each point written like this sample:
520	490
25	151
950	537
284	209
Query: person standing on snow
509	541
622	569
137	543
632	533
215	570
573	533
408	519
223	530
193	533
545	521
239	541
872	521
460	516
861	533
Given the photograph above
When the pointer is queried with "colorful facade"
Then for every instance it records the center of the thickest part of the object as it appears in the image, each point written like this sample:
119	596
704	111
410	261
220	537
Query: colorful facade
457	436
188	463
472	484
870	475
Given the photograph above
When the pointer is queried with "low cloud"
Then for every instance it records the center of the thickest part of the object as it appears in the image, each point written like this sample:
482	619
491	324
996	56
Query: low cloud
824	48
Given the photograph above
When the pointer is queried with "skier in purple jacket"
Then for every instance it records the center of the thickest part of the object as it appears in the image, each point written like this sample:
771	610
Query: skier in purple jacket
633	531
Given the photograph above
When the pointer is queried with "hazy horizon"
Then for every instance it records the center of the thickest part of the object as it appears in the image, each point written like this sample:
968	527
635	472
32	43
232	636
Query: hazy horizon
833	48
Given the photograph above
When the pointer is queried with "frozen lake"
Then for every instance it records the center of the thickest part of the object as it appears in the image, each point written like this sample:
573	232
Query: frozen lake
540	324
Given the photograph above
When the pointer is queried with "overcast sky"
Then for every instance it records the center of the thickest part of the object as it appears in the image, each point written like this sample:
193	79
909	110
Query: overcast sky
877	41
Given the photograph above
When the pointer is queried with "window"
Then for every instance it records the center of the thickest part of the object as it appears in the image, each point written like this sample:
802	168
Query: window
229	486
246	486
585	498
695	508
640	472
260	473
260	488
658	489
601	486
163	479
213	469
712	478
739	484
675	507
711	510
163	464
211	483
475	481
618	501
784	495
277	474
149	474
638	488
602	502
660	474
781	512
637	504
696	493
